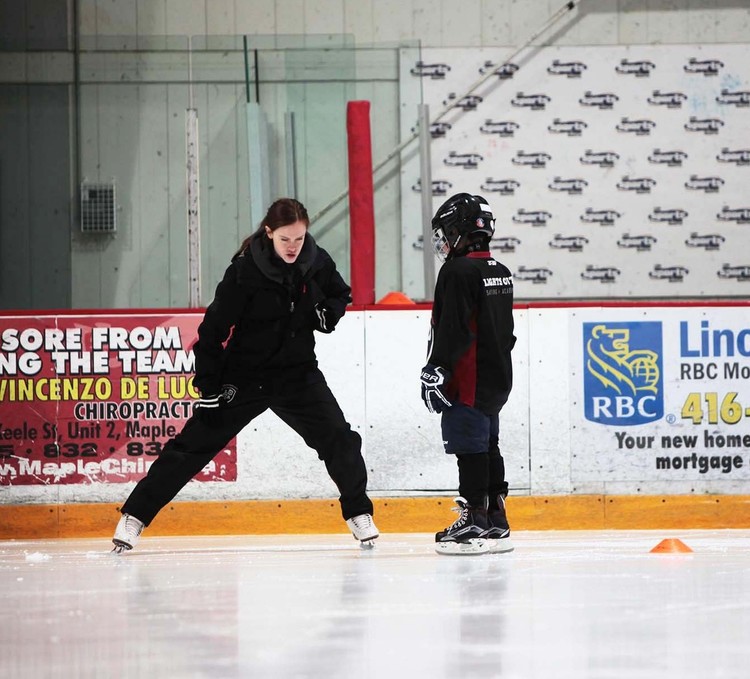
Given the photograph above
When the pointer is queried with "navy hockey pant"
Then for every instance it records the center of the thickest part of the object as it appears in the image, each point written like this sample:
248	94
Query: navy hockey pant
472	436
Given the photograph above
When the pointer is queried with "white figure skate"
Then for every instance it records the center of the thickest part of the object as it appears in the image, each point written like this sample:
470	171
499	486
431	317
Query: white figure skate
127	533
363	529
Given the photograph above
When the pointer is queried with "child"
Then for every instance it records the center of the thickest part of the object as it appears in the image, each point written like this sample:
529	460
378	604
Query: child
469	376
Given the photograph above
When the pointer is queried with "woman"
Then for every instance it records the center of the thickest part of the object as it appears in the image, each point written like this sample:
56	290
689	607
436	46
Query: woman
278	289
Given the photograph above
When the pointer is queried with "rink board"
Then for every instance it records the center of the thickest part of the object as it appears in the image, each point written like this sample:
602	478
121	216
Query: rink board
569	428
393	515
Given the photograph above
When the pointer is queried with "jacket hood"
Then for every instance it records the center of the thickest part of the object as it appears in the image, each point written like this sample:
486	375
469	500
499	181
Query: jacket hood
273	267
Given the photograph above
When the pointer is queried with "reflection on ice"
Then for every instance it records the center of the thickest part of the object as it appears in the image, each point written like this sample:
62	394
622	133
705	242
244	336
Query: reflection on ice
564	604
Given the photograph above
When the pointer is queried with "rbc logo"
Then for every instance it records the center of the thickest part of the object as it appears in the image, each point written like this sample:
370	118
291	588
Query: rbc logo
622	368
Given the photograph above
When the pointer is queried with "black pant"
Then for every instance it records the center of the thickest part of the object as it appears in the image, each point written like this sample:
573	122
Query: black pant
308	408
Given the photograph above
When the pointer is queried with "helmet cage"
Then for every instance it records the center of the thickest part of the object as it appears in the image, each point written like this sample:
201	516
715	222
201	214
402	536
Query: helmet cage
440	243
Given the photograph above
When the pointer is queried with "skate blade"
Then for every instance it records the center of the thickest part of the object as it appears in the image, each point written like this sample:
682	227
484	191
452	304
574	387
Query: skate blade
367	544
120	548
501	546
367	539
470	548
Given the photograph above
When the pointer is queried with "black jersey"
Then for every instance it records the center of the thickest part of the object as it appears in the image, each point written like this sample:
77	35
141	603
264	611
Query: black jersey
472	330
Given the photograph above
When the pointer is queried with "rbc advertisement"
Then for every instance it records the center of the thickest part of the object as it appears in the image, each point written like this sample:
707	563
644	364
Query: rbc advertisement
88	399
662	394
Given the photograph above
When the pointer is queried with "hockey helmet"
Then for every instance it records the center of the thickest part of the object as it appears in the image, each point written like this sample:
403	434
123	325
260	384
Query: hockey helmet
457	220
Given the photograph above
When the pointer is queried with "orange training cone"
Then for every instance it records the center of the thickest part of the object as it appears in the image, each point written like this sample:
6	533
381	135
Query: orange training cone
671	545
395	298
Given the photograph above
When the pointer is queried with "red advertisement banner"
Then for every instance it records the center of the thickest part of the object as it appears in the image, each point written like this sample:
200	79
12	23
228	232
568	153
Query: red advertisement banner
90	399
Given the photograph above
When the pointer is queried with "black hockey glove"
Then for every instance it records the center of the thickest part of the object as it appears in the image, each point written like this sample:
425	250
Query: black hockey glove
208	408
324	318
433	379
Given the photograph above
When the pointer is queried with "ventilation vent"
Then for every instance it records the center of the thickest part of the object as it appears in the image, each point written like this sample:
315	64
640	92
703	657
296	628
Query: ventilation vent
98	208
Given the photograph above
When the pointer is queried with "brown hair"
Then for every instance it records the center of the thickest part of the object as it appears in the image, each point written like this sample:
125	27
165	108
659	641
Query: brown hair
283	211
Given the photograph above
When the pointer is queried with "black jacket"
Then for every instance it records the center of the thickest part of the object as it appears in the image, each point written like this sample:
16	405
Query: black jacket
472	330
268	308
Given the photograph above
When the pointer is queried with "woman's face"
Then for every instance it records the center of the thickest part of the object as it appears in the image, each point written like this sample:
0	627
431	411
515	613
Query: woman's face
287	240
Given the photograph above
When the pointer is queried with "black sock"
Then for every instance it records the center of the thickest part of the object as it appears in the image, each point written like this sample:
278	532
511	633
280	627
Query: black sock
473	472
497	484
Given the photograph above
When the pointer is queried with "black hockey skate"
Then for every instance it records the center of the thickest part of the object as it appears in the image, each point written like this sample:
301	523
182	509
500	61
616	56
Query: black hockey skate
498	529
466	535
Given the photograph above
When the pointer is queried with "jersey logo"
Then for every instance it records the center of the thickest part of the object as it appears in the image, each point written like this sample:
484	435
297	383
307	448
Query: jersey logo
498	285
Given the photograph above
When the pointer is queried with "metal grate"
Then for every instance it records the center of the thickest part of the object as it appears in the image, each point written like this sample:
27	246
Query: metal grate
98	208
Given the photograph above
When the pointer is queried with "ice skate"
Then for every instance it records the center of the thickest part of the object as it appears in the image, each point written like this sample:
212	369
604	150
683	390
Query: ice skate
498	531
127	533
363	529
466	535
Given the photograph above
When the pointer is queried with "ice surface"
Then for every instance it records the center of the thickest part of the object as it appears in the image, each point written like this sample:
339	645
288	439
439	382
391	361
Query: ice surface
572	604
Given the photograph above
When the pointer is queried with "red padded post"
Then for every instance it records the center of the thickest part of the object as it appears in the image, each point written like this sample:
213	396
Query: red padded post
361	202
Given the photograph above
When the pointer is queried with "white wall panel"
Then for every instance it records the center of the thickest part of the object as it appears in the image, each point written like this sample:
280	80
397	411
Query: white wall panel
117	19
87	16
632	22
526	17
135	135
594	24
219	138
570	28
185	17
428	21
462	23
221	17
324	16
266	17
289	17
667	24
358	21
151	17
392	21
551	442
664	129
153	190
175	112
495	22
549	414
732	24
515	417
86	269
117	158
403	439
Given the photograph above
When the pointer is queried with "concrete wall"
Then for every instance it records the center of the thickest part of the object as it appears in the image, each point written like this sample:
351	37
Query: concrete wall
125	121
35	153
434	23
